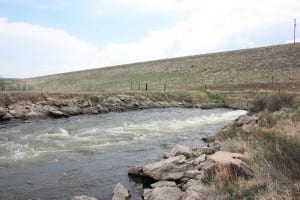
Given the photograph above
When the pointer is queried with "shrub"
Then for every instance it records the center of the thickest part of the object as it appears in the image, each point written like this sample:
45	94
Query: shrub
95	99
272	102
7	100
212	97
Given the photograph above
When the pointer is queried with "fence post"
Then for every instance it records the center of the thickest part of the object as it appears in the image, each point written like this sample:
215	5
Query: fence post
146	87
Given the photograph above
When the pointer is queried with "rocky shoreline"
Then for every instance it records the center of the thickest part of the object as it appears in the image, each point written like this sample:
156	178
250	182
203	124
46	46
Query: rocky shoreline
181	174
65	107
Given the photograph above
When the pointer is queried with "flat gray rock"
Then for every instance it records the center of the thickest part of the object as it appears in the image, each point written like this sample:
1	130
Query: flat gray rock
168	169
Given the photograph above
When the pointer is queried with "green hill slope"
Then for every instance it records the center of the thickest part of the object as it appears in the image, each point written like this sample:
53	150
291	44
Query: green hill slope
249	66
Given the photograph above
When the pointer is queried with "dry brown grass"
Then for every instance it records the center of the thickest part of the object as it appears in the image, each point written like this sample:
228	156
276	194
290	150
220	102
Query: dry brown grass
194	97
234	70
273	153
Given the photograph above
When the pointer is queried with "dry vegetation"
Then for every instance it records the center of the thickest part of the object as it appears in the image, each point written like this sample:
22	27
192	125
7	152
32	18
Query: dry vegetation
242	69
273	151
193	97
254	74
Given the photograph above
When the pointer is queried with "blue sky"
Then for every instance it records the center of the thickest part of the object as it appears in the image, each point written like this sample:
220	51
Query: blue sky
46	37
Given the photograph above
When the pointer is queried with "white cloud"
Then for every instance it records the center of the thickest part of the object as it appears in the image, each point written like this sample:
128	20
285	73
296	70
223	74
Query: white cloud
206	25
35	50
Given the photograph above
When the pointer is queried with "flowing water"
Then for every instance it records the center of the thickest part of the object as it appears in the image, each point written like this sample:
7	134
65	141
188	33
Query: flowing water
88	155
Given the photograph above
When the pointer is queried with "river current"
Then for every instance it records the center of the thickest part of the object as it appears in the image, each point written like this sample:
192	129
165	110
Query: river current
89	154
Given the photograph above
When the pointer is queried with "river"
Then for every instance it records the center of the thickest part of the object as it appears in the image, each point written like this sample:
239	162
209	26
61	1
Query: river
89	154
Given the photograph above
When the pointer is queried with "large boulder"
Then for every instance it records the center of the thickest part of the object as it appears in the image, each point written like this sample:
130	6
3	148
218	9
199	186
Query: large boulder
199	159
163	193
233	162
56	113
2	112
33	114
121	193
4	116
18	111
101	109
208	150
179	150
89	110
209	138
192	183
168	169
71	110
135	171
194	190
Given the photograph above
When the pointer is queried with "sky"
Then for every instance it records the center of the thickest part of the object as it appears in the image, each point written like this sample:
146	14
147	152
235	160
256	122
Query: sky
41	37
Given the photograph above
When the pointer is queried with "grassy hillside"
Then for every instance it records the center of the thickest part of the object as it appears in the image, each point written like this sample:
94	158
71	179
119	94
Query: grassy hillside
250	67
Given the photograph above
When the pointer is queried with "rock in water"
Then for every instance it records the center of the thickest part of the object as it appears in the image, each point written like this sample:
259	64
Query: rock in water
180	150
209	138
56	113
121	193
83	198
135	171
169	169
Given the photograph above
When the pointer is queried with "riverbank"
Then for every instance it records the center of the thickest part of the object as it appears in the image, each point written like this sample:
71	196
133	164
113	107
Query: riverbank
266	140
27	105
255	157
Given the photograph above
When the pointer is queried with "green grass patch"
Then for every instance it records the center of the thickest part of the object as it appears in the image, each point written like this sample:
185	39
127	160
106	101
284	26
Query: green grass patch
234	191
212	97
267	120
231	132
283	152
269	136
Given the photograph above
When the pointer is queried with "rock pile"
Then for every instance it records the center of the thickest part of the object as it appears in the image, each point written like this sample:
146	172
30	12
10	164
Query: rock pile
180	173
57	108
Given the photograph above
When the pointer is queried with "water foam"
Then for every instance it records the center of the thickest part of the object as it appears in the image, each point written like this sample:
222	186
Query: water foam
166	126
89	141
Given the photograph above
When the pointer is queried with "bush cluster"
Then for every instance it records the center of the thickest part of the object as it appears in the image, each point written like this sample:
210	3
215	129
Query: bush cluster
272	102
